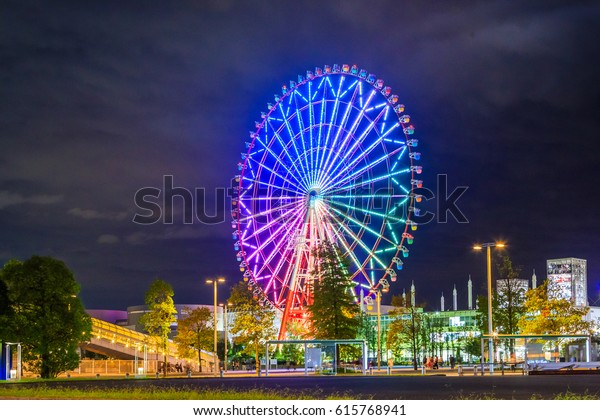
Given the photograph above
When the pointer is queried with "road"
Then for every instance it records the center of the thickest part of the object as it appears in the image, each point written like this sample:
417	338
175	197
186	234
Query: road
401	387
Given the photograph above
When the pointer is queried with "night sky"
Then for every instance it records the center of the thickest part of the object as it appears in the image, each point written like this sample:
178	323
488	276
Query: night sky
100	99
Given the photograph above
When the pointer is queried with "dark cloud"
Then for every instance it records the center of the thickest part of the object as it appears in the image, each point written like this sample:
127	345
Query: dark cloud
100	99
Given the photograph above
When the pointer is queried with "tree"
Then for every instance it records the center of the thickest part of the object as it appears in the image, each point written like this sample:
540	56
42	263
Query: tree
157	322
253	323
6	310
194	333
406	330
297	329
367	330
42	311
473	346
510	298
546	313
292	353
334	313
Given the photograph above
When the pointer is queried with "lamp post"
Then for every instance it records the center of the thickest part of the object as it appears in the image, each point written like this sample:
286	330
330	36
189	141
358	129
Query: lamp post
216	358
225	327
488	246
378	295
385	287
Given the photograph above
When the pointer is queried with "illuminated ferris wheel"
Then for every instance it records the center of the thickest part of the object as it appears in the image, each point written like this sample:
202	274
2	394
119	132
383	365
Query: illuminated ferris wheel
332	158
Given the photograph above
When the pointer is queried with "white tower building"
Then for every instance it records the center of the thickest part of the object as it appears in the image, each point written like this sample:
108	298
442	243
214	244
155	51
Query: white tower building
454	299
470	293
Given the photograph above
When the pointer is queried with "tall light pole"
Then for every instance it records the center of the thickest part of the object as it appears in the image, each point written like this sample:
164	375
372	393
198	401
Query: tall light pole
385	287
215	306
488	246
225	327
378	295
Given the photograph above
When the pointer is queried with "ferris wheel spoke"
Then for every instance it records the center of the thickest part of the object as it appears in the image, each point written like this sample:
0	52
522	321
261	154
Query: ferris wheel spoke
274	198
284	147
340	129
350	135
273	252
301	130
383	216
292	137
286	235
257	234
273	222
273	172
366	152
294	193
358	240
370	181
322	118
345	117
278	159
266	212
336	237
363	226
287	256
358	172
311	123
276	279
355	196
331	124
356	145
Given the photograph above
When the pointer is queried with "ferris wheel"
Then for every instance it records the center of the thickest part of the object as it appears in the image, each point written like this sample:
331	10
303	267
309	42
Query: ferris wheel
331	159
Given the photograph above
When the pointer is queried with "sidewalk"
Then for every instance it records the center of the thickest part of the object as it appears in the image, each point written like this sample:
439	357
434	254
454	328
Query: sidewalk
284	372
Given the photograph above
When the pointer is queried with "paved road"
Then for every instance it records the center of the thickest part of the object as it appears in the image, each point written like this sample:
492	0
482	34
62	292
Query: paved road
377	387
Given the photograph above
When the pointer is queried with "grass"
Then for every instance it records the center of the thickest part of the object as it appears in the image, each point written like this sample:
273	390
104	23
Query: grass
151	393
574	396
561	396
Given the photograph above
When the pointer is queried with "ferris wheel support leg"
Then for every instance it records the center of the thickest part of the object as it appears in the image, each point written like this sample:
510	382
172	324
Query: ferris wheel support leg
284	320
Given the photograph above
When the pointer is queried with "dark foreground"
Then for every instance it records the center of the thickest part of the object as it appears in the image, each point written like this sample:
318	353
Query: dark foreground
514	387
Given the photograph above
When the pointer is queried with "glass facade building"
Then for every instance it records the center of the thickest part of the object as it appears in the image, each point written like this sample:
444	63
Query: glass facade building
570	277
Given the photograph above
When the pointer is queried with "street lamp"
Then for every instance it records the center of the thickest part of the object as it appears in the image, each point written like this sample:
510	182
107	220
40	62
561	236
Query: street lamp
488	246
385	287
216	358
225	327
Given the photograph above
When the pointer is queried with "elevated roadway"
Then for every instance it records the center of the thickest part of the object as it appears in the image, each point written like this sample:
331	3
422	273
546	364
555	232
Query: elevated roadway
121	343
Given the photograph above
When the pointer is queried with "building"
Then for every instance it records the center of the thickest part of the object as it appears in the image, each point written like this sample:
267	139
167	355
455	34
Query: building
511	290
570	277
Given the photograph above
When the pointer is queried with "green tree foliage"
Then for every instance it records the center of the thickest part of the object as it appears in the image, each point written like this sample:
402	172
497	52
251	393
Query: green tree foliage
510	301
253	323
6	310
41	310
473	346
548	314
292	353
157	322
334	314
510	298
297	329
194	333
367	330
407	330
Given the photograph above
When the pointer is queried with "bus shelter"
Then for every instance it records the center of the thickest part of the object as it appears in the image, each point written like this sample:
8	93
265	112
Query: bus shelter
11	363
528	338
312	360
